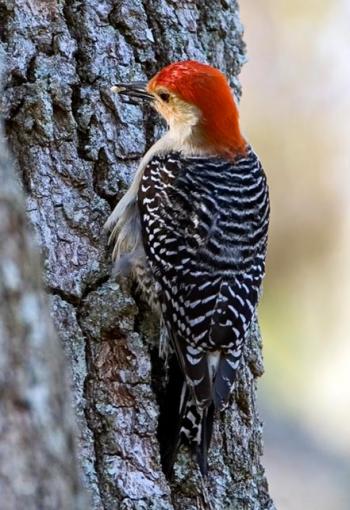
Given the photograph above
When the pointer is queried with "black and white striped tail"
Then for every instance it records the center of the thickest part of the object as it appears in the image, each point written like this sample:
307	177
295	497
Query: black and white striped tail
195	431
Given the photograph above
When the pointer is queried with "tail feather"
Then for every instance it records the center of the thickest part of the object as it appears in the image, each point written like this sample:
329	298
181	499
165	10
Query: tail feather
191	420
183	420
225	378
196	431
205	439
170	419
180	428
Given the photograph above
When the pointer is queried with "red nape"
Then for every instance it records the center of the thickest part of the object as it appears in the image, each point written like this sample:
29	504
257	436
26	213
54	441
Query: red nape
207	89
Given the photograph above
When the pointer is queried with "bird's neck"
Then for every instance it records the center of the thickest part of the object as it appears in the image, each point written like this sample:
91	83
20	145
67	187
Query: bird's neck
186	140
193	142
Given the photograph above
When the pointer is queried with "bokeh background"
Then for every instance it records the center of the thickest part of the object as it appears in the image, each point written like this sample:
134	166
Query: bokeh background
295	110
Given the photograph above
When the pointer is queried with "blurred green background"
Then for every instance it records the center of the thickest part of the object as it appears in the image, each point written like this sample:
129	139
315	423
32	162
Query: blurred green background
295	111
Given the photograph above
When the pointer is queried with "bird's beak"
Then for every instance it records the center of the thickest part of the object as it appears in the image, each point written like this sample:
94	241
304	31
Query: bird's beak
135	90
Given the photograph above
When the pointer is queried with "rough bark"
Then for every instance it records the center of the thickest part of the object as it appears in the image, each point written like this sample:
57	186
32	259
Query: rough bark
38	464
76	146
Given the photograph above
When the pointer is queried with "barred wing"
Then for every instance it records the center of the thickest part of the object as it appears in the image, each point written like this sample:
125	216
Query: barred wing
204	224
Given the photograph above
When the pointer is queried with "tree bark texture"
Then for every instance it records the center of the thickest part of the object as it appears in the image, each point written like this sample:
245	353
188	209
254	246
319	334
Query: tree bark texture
76	146
38	462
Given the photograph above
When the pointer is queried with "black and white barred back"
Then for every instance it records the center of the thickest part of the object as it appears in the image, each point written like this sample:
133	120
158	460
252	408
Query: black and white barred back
204	226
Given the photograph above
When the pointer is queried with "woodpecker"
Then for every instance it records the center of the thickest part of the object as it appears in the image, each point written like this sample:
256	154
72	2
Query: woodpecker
192	228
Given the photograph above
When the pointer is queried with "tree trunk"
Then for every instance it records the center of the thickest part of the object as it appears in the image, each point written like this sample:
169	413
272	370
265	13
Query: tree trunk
76	146
38	465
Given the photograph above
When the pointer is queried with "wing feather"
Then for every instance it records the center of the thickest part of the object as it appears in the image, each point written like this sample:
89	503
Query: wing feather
204	226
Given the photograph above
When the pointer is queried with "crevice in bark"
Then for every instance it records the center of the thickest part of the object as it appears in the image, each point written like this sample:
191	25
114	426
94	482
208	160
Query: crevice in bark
158	34
82	133
69	298
100	172
5	13
30	75
95	286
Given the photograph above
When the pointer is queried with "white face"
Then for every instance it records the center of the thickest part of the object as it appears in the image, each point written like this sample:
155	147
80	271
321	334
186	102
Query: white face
178	114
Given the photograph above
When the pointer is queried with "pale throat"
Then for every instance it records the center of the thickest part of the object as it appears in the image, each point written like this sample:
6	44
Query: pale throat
184	133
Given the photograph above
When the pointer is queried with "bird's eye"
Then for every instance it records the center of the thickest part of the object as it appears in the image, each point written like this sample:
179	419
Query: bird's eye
164	96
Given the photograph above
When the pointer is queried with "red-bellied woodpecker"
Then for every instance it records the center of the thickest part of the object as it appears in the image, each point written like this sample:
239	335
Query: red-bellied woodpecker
193	227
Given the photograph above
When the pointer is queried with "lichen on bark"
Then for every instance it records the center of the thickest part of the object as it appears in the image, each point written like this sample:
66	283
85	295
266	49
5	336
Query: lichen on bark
76	147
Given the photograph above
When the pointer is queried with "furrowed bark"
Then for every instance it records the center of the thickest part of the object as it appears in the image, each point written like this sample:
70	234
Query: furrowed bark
76	146
38	462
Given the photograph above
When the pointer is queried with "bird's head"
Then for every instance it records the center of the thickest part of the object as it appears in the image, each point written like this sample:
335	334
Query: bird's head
196	101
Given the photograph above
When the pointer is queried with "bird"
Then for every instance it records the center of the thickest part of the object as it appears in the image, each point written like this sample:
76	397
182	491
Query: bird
192	229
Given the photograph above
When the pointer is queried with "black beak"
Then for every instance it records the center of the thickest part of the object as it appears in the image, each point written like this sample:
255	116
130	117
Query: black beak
135	90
